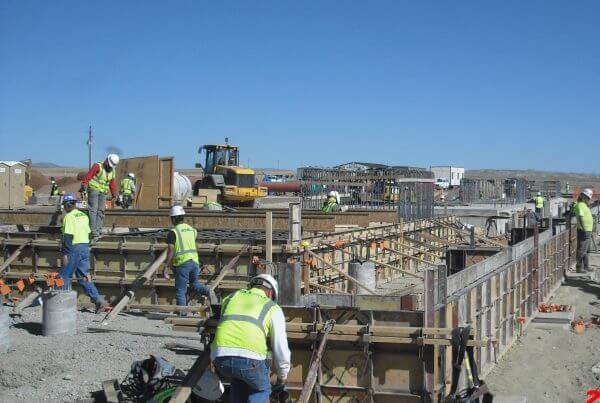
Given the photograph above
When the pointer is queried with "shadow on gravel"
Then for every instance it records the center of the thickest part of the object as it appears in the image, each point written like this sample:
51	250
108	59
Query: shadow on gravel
33	328
589	287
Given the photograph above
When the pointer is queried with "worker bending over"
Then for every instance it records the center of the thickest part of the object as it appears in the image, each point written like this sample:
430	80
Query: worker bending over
183	257
127	190
98	181
250	321
585	225
332	204
76	250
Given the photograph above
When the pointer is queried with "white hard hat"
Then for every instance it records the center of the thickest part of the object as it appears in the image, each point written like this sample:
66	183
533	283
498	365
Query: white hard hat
266	280
113	160
331	193
539	193
131	175
588	192
176	210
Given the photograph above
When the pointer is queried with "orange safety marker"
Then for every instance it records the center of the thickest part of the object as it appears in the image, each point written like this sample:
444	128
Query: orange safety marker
4	289
20	285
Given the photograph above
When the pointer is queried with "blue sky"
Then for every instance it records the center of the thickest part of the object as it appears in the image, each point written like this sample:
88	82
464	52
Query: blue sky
504	84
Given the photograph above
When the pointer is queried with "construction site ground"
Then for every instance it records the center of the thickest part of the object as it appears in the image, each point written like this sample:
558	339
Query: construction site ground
68	368
555	365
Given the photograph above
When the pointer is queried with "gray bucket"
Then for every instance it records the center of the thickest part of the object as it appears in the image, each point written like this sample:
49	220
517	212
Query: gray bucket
4	325
59	313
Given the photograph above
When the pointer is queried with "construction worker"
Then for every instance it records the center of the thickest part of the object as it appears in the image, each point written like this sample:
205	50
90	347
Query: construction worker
127	190
54	187
539	205
76	250
98	181
332	204
183	257
251	321
585	225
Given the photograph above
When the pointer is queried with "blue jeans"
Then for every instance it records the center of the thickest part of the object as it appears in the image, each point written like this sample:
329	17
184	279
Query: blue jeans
186	274
249	379
79	264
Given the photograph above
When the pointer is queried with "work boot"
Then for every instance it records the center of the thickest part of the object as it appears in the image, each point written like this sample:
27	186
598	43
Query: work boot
100	306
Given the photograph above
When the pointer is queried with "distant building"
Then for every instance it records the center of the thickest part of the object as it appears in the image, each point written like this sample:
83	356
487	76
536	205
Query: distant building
360	166
453	174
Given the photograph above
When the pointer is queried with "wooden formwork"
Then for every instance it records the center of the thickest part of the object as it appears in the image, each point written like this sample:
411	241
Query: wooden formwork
384	350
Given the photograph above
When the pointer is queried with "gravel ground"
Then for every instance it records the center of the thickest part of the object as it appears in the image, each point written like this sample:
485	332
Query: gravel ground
555	365
66	368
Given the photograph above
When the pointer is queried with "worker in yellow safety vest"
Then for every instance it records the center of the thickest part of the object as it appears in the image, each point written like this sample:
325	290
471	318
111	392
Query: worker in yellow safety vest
98	181
585	226
76	250
539	205
332	204
53	187
182	255
251	322
127	190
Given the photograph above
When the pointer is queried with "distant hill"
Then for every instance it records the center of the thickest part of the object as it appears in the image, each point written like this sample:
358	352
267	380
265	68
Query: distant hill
574	179
45	165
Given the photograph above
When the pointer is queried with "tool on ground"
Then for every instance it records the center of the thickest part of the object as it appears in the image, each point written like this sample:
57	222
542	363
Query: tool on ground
479	391
311	377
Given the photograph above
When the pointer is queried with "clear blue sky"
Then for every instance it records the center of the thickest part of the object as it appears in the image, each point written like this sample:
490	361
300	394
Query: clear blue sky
504	84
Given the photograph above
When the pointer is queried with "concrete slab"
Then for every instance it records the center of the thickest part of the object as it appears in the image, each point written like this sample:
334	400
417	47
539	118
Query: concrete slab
550	326
554	317
571	275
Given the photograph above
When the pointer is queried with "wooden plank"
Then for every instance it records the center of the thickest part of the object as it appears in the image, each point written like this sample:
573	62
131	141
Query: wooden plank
146	170
183	392
215	283
135	286
110	390
105	329
13	256
166	168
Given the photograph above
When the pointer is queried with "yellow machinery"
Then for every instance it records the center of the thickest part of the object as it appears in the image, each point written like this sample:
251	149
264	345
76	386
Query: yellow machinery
222	171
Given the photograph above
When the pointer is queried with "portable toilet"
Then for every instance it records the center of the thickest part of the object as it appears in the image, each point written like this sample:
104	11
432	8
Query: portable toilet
12	184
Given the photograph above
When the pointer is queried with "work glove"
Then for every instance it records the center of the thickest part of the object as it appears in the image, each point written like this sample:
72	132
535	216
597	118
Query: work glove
82	189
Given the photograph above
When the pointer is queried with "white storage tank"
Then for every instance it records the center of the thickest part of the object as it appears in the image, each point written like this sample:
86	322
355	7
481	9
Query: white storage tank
182	188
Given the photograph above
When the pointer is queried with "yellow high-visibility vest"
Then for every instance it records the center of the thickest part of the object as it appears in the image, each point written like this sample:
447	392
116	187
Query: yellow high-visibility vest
77	223
101	180
245	321
185	245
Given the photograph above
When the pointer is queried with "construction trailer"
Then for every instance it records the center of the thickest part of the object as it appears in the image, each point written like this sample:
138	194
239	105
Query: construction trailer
370	186
396	292
451	173
12	184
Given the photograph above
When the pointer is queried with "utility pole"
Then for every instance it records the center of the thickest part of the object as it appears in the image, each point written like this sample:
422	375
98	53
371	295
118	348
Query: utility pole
89	144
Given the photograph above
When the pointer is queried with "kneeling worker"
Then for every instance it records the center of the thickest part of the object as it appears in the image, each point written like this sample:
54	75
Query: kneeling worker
239	351
76	250
183	257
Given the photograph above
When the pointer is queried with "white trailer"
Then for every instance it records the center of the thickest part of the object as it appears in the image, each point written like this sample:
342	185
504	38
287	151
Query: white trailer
452	174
